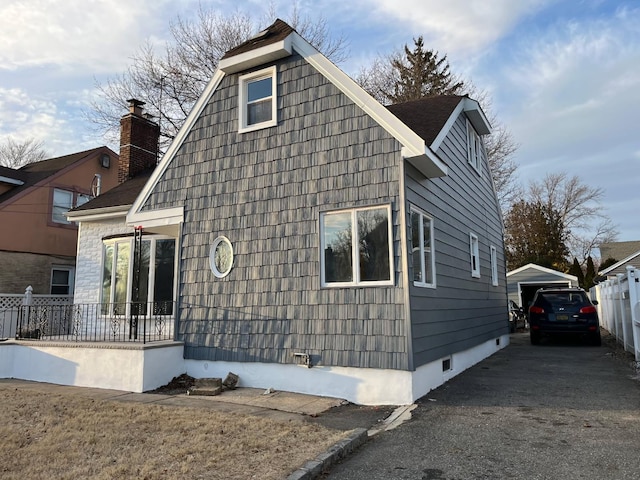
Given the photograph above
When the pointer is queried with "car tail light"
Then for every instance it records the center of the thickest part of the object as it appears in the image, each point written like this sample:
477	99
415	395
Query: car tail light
589	309
535	309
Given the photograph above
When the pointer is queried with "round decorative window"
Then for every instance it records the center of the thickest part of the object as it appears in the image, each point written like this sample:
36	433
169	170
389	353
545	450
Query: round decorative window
221	257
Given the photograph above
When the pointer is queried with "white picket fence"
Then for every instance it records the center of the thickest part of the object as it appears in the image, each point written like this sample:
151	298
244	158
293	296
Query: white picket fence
619	308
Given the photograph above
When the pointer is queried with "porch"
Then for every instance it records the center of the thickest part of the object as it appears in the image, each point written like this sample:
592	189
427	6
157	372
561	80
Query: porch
127	347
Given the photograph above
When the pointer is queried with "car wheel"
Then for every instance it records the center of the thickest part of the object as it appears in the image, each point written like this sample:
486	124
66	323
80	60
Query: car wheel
535	338
596	339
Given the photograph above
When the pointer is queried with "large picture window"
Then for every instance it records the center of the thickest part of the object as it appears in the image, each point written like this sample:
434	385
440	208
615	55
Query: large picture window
257	100
150	284
422	249
356	247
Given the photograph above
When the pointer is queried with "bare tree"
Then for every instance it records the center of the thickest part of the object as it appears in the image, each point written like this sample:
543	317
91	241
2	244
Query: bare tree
384	79
580	211
15	154
171	81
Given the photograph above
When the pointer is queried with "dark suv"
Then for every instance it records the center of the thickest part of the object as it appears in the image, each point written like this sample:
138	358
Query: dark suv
563	310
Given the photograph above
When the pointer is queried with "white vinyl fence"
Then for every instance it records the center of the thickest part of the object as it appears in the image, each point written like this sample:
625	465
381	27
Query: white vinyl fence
619	308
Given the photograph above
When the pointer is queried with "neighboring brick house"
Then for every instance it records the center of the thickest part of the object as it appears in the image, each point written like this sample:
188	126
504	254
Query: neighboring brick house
37	242
295	222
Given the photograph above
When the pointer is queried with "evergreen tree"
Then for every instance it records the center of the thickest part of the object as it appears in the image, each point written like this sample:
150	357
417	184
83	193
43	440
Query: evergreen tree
576	270
420	73
590	274
535	234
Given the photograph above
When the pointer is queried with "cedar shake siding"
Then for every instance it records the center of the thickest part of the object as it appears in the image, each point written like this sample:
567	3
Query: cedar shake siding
265	191
461	311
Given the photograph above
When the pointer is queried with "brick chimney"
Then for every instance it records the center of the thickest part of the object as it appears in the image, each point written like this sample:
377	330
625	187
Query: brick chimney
138	142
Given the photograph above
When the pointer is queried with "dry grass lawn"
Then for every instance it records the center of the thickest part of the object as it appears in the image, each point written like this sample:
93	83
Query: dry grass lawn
70	437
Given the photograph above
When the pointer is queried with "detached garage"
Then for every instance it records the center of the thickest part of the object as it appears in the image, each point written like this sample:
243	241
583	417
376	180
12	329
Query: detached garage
523	282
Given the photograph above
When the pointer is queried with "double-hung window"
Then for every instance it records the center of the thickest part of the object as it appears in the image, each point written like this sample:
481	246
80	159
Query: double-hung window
356	247
61	281
475	255
422	252
63	201
257	100
475	147
150	283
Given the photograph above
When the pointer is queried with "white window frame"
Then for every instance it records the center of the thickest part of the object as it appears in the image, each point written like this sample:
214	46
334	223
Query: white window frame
151	285
474	250
475	147
355	249
244	81
432	266
222	240
69	206
494	266
70	271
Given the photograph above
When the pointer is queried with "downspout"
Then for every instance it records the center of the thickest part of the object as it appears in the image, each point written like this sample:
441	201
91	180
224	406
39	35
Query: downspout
404	260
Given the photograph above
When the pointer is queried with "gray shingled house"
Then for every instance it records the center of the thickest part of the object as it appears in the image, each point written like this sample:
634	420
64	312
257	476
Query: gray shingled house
323	243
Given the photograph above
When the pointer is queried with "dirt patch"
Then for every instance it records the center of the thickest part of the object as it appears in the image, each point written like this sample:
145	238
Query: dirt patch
178	385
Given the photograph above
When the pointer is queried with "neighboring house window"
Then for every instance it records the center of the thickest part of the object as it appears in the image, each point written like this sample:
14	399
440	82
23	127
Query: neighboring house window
62	203
356	247
422	249
475	255
258	100
494	266
65	200
154	283
474	147
61	281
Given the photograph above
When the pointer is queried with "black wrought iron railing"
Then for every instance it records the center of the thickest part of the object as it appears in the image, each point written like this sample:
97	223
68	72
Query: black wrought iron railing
123	322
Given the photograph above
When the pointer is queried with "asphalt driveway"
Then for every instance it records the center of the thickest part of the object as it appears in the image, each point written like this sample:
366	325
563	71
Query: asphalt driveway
561	410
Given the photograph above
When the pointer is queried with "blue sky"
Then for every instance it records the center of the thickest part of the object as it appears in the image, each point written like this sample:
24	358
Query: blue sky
564	75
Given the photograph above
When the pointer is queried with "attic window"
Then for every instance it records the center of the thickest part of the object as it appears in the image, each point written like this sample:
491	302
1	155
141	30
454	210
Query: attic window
257	100
475	148
105	161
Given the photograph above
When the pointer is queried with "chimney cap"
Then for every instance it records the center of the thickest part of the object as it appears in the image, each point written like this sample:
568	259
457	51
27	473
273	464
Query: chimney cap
134	102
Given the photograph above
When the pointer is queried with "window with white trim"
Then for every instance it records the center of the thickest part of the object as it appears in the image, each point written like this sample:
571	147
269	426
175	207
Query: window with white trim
154	284
422	252
475	148
257	100
63	201
494	266
61	281
356	247
475	255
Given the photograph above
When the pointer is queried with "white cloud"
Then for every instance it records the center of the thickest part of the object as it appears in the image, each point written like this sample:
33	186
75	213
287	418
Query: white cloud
456	26
100	35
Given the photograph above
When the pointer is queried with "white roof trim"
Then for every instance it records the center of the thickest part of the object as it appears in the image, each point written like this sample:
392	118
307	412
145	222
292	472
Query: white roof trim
157	218
174	147
619	264
414	148
12	181
96	214
475	114
259	56
544	270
